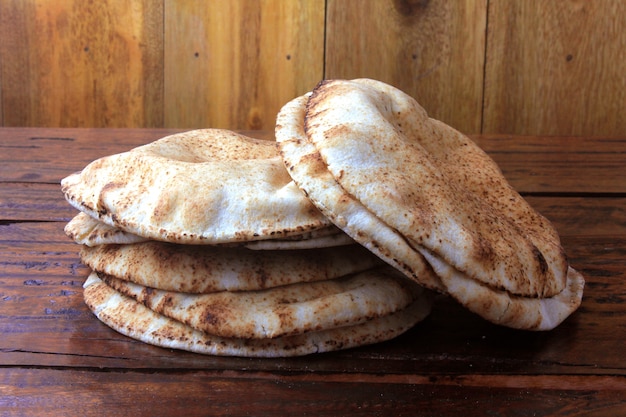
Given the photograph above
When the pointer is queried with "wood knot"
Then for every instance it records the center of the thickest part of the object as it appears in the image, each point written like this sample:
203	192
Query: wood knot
409	7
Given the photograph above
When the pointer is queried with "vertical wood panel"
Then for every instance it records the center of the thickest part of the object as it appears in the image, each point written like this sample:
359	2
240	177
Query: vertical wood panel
433	50
233	64
77	63
556	67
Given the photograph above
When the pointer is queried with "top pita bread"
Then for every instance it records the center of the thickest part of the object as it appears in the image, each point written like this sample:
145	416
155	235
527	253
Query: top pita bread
201	187
433	185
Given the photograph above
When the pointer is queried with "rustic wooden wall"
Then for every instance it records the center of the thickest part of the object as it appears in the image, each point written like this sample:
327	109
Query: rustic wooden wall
433	50
77	63
492	66
233	64
556	67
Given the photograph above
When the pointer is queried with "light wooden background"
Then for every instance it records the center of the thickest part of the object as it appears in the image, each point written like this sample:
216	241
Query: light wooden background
532	67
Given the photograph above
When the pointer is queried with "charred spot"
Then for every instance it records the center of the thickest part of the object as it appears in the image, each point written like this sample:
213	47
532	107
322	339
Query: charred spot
337	131
541	260
311	158
262	277
210	318
317	95
344	199
111	186
484	250
168	300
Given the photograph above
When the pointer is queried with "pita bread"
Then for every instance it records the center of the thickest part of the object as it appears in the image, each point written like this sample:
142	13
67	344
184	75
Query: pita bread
434	186
85	230
133	319
199	187
312	241
309	171
281	311
505	309
204	269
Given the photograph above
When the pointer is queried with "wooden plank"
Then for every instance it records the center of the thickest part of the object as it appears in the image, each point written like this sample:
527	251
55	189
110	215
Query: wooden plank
555	68
603	216
76	63
531	164
559	164
32	154
432	50
44	322
234	64
87	393
33	202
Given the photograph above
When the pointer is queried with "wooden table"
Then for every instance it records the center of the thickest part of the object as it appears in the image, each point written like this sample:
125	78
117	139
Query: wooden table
56	358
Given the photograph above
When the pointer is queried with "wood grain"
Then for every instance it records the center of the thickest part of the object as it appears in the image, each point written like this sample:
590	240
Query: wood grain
555	68
525	68
234	64
76	63
584	164
432	50
88	392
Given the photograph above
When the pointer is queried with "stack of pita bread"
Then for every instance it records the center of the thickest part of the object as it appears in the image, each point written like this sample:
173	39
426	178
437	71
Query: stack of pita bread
334	236
201	241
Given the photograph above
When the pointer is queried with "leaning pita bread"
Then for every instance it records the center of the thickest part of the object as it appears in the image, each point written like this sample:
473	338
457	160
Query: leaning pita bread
133	319
507	310
281	311
199	187
204	269
440	191
309	170
310	173
85	230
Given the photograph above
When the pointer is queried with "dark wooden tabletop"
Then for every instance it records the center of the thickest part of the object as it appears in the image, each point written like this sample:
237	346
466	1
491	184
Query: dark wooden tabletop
56	358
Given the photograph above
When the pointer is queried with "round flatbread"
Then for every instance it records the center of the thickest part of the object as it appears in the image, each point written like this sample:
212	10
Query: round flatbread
206	269
434	186
85	230
281	311
508	310
199	187
309	170
135	320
